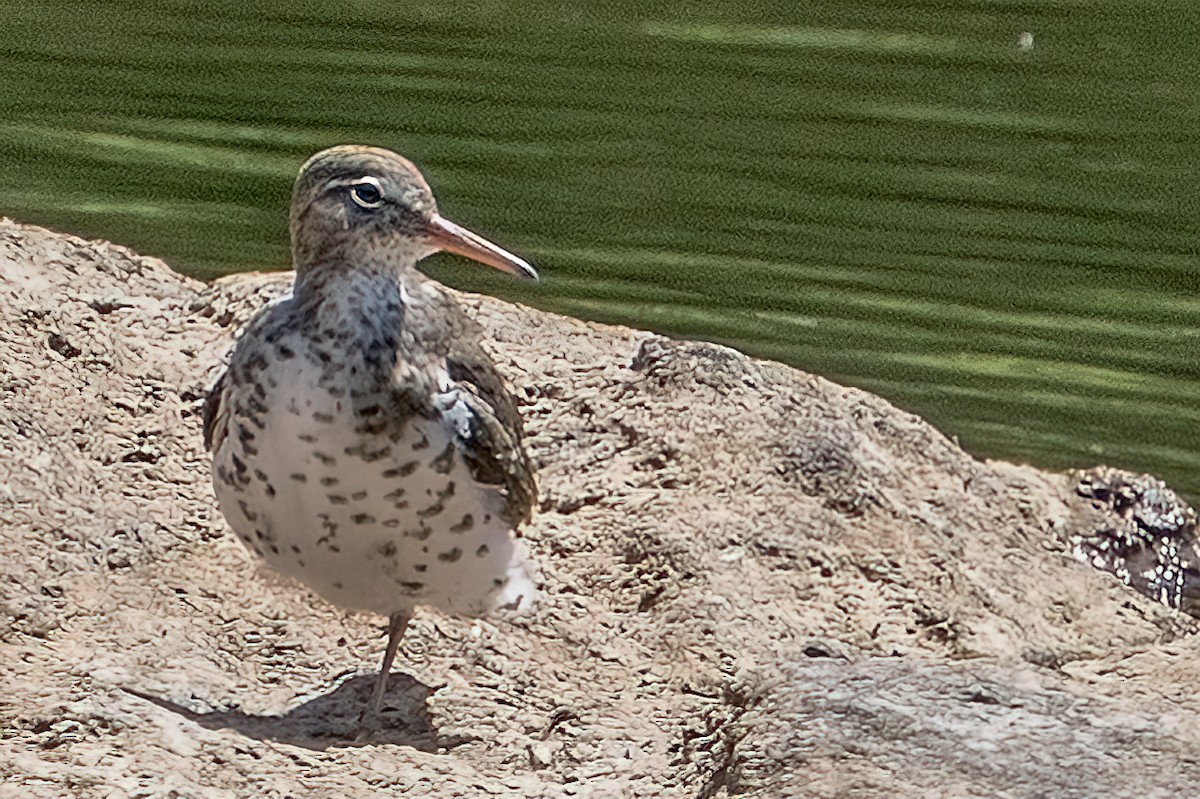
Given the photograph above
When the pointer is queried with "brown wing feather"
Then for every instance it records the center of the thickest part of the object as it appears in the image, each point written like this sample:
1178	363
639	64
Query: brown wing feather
494	449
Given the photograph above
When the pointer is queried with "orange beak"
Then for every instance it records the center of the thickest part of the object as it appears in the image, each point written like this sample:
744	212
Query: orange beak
450	237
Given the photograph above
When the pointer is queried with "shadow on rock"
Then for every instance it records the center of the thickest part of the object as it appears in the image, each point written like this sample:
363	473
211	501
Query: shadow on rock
331	719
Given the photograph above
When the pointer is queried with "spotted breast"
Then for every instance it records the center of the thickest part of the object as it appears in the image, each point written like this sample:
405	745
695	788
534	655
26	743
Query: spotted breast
379	482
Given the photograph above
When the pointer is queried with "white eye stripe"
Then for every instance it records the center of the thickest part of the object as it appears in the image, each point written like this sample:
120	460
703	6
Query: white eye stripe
367	192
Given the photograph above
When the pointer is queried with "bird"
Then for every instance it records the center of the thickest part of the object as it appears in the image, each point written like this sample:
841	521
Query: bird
362	441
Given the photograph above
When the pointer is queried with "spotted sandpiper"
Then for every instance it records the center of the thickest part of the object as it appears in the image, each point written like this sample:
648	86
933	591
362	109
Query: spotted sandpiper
362	441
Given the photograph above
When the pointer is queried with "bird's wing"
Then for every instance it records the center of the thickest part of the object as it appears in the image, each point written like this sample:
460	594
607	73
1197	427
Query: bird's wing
472	399
490	432
216	413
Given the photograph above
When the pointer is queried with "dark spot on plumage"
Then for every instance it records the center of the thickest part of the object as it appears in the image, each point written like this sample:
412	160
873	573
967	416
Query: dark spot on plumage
444	462
336	391
420	568
334	548
391	523
412	586
388	549
308	438
284	352
370	410
223	474
483	551
433	510
274	549
358	495
422	444
446	492
336	499
299	477
244	537
379	454
468	521
401	471
249	514
323	356
370	428
329	481
238	464
260	475
247	372
362	518
327	460
361	450
394	494
300	563
269	490
337	584
499	582
380	354
421	533
260	390
451	556
323	418
295	549
400	504
257	421
254	405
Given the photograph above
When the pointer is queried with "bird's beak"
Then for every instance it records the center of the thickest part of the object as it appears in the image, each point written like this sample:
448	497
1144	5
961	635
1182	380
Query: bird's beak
450	237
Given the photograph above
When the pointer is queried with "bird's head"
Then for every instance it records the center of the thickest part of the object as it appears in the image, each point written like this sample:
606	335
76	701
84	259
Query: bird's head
354	203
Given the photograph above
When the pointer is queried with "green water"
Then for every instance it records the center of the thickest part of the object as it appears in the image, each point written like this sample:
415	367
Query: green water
894	194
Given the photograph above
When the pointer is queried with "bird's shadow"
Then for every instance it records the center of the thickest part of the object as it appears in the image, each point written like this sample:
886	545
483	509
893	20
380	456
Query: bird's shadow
332	719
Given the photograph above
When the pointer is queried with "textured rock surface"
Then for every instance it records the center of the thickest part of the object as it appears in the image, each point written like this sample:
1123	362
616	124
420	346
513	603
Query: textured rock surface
756	583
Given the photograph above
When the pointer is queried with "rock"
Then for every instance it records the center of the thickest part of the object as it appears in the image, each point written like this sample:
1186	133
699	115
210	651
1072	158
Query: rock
756	583
1146	536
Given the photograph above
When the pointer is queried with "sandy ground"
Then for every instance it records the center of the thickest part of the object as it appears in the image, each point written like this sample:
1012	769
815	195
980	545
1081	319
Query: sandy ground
755	583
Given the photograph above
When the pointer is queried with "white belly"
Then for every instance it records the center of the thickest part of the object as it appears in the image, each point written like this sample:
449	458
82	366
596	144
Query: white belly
370	522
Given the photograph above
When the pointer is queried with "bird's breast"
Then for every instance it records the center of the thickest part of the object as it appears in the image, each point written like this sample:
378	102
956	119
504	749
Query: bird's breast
366	498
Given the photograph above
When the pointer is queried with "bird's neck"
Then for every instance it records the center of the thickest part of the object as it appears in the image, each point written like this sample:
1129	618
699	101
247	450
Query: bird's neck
360	304
349	276
338	260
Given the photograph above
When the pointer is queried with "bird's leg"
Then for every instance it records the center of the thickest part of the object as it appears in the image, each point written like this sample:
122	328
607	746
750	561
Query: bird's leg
397	624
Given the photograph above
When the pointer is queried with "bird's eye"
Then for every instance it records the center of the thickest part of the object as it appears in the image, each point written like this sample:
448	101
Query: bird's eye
367	193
